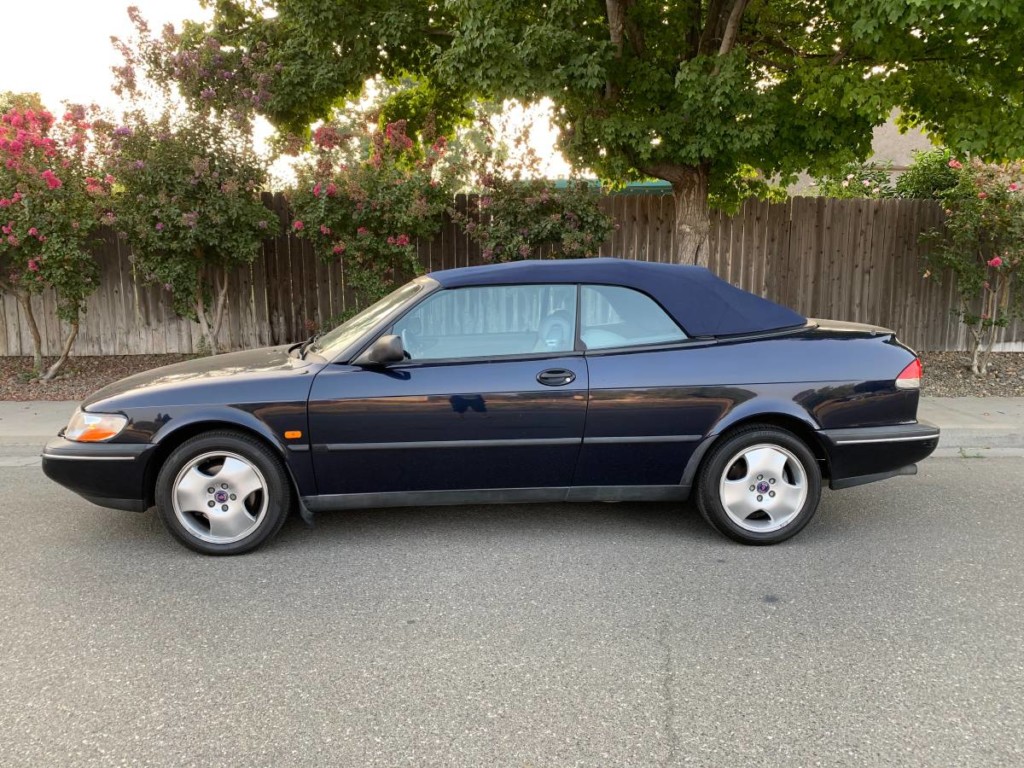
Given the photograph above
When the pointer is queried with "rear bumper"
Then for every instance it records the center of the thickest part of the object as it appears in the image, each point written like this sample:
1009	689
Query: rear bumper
864	455
107	474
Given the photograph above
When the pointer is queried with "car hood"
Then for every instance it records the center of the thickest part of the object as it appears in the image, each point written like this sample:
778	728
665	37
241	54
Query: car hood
233	369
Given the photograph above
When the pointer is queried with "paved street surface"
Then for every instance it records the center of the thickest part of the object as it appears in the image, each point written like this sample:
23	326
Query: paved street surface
889	632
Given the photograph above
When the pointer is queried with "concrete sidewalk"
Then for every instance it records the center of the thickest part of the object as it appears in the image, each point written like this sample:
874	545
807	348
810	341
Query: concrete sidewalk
971	426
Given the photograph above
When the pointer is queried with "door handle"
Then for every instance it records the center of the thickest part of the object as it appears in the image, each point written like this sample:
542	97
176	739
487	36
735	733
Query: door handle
556	377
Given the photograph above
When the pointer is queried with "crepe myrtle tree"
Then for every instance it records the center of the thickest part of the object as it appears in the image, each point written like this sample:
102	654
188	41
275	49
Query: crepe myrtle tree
982	245
50	193
515	213
689	91
365	195
187	199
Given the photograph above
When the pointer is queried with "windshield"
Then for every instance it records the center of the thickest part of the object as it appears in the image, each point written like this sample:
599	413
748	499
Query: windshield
347	333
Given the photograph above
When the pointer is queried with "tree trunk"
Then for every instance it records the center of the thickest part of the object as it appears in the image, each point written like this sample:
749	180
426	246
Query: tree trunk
210	327
693	218
37	341
54	369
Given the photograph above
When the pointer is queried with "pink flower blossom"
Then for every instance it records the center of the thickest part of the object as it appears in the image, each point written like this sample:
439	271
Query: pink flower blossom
16	197
955	164
4	202
402	240
1014	186
32	231
338	249
159	226
324	229
332	189
51	179
33	265
362	231
297	225
316	189
982	195
995	261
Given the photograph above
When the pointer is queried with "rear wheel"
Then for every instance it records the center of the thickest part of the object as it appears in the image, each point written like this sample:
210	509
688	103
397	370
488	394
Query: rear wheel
223	493
759	485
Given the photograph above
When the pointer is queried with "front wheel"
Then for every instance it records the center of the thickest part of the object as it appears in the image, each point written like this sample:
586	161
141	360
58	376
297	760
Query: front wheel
223	493
760	485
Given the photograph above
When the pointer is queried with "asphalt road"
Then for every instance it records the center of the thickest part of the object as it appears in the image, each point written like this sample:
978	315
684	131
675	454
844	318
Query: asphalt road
888	632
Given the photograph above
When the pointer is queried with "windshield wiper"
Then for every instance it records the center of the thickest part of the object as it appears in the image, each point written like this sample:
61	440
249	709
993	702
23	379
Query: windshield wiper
308	344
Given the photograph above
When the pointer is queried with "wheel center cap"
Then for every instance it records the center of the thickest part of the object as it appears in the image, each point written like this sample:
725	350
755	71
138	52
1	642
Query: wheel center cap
221	496
762	487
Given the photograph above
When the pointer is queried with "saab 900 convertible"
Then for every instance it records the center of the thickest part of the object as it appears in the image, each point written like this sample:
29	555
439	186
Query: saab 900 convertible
550	381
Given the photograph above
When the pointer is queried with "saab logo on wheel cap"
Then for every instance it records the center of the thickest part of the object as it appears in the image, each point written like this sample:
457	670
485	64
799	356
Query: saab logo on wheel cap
221	496
762	487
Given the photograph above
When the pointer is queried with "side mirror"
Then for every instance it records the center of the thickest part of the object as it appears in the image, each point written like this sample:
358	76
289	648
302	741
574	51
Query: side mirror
384	351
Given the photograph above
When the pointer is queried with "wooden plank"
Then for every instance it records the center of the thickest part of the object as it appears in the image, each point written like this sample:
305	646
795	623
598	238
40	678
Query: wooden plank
841	258
12	322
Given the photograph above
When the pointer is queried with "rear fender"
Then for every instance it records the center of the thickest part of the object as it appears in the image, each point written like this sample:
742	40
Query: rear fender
748	412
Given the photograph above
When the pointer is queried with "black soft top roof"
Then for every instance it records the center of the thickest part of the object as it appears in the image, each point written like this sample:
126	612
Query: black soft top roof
702	303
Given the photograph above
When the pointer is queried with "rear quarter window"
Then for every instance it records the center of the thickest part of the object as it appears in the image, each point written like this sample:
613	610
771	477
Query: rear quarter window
612	316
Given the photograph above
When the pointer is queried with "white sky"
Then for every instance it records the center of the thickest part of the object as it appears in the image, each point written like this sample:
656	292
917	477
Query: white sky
61	50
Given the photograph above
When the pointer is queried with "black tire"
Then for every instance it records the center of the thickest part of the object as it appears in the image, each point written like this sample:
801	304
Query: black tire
268	506
782	521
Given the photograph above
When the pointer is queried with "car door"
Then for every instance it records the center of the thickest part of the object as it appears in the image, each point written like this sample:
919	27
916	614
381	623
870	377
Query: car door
643	420
493	396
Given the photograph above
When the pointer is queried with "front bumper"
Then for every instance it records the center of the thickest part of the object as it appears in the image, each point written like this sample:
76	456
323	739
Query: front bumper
866	454
107	474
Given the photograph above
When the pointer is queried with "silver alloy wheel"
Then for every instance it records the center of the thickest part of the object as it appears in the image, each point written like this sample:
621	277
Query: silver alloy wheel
220	497
763	488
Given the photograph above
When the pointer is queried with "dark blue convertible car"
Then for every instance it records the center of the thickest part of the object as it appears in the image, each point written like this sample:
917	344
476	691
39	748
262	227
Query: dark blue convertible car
587	380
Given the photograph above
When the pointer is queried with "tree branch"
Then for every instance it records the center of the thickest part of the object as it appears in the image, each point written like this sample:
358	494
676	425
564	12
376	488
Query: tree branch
732	27
710	33
616	15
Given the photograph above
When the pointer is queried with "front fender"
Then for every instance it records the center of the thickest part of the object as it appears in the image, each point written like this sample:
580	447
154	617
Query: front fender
269	423
219	414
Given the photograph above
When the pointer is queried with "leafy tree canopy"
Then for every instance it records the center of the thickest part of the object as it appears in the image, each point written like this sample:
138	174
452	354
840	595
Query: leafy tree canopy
689	91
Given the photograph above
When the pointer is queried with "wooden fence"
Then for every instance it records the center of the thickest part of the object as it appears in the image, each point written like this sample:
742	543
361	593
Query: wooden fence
855	260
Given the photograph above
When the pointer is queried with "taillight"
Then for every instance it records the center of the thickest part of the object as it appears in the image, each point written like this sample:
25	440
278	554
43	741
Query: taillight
910	378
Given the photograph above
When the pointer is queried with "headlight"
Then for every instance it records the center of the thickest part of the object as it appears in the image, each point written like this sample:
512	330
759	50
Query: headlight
94	427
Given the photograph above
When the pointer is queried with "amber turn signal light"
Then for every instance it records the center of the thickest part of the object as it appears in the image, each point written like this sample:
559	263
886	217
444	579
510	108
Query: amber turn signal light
292	434
86	427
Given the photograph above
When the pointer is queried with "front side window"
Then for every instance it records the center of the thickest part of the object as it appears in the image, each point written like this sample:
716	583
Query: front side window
491	321
612	316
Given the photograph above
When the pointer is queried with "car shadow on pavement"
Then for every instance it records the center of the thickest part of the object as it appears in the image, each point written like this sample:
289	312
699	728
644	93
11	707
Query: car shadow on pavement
523	521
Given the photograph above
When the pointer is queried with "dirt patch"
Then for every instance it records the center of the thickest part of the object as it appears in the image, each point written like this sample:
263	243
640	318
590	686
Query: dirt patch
80	378
948	374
